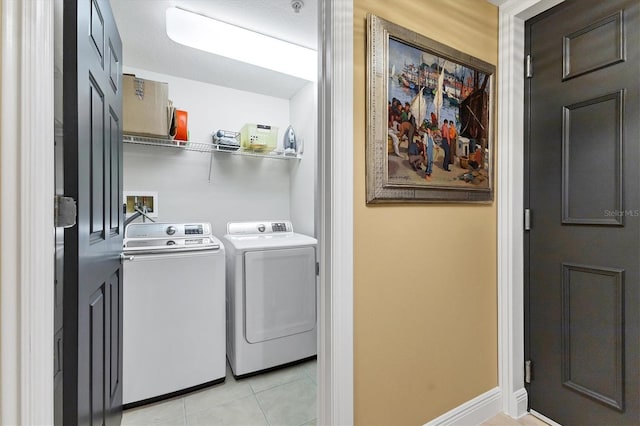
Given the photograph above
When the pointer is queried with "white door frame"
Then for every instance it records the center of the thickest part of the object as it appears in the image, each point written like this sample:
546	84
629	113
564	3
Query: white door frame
510	183
335	136
26	212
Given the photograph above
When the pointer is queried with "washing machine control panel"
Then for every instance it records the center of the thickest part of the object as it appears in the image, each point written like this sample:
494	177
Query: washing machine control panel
163	237
193	229
161	230
188	229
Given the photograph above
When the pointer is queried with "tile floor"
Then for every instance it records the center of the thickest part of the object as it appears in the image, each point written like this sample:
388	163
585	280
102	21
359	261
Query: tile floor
285	397
504	420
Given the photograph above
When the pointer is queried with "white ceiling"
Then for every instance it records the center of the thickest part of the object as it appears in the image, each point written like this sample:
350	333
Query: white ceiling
146	45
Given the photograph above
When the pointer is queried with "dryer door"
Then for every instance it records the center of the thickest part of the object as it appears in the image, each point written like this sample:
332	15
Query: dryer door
280	293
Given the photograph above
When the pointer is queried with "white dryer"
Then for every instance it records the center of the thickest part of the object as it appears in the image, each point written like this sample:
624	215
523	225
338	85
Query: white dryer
271	296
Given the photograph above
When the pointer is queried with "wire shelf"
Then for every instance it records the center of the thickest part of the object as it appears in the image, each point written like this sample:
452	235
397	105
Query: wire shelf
167	143
205	147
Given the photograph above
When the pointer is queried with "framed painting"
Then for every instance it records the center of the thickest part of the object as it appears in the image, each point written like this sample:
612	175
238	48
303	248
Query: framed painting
429	119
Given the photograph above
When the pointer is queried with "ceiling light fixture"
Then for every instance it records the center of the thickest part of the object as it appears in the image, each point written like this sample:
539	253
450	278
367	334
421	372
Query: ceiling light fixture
220	38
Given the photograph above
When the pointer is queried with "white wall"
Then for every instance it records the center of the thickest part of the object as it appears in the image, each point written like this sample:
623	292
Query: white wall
304	115
241	188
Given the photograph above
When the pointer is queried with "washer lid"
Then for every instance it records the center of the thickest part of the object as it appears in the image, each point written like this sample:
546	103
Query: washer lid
256	242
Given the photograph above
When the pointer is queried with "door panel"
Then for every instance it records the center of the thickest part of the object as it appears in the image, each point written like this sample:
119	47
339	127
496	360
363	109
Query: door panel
597	45
592	151
92	314
97	171
582	269
115	334
592	338
280	293
115	131
96	357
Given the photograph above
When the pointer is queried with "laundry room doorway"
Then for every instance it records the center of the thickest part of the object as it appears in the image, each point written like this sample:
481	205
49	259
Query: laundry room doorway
187	182
269	185
27	193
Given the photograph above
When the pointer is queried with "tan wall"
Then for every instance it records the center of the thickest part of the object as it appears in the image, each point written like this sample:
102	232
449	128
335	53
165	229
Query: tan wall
425	275
1	35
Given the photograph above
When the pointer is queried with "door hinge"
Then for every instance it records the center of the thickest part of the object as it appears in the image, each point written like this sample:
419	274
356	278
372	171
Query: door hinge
527	219
65	211
317	268
529	66
527	371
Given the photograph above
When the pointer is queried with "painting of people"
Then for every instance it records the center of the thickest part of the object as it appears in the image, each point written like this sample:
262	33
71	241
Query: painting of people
434	104
438	114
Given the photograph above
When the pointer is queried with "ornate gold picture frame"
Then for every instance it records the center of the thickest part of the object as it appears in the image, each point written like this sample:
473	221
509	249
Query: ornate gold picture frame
429	119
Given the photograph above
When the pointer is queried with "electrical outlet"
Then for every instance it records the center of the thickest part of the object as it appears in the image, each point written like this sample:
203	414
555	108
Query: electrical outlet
144	200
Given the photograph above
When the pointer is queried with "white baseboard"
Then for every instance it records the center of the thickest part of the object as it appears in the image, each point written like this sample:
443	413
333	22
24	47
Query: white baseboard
520	402
473	412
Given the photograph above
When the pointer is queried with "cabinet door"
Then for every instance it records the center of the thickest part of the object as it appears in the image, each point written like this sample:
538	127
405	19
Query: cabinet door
280	293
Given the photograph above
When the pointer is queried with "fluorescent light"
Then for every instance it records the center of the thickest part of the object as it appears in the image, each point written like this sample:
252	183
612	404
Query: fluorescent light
220	38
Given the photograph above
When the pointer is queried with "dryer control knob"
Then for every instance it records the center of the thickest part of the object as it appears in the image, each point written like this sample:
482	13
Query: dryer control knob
171	243
261	228
171	230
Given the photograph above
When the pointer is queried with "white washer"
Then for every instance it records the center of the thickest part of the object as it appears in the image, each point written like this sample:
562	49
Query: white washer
271	296
173	310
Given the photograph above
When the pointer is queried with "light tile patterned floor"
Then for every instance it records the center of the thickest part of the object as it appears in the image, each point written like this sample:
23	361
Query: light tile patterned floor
504	420
285	397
